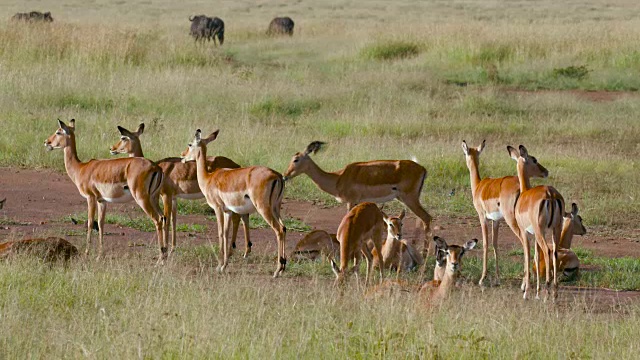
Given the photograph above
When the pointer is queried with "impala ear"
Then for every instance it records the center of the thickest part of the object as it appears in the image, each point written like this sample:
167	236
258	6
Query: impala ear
124	132
515	155
140	129
470	244
385	217
63	126
481	147
314	147
198	136
465	147
402	214
523	151
440	243
574	209
211	137
72	124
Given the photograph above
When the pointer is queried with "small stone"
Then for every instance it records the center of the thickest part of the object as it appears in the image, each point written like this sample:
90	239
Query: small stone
438	227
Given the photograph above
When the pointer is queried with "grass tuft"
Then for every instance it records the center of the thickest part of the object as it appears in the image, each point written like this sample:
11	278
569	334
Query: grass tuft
390	50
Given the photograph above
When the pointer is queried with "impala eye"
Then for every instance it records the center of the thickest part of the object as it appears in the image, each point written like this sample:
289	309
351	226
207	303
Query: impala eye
189	145
58	132
295	161
123	138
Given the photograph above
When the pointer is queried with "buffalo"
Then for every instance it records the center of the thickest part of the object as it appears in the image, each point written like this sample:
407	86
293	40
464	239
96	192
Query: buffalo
204	27
34	16
281	26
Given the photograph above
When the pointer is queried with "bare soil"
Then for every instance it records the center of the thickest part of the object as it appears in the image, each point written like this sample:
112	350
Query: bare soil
39	200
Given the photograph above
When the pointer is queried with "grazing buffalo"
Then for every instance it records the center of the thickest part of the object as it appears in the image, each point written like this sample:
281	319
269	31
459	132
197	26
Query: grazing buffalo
204	27
34	16
281	26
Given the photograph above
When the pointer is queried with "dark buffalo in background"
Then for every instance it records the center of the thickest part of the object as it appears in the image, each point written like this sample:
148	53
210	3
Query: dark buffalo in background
204	27
281	26
33	16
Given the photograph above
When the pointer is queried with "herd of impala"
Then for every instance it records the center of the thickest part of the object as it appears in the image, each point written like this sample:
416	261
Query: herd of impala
234	192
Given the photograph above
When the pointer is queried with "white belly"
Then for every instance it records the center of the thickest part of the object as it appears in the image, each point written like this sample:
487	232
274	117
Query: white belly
497	215
241	208
193	196
381	199
114	192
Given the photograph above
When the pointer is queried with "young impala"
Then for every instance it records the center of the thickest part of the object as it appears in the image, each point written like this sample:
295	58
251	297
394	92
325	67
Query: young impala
113	180
453	255
495	199
241	191
374	181
397	254
180	181
537	210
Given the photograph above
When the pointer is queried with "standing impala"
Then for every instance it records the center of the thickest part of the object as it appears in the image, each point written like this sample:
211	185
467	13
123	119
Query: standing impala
495	199
241	191
114	180
374	181
180	181
537	210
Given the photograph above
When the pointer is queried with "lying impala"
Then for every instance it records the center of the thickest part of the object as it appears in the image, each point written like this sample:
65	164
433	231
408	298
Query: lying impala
114	180
364	222
180	181
397	254
374	181
241	191
568	261
537	210
453	255
495	199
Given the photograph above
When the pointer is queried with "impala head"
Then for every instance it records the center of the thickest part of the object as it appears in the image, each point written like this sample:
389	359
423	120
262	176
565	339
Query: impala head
453	253
574	221
300	161
472	154
62	137
394	225
129	141
527	162
195	147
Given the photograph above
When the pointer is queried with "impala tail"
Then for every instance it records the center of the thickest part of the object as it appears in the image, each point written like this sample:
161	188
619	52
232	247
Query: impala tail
553	209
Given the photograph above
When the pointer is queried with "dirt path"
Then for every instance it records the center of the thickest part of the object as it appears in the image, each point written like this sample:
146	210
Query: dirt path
38	200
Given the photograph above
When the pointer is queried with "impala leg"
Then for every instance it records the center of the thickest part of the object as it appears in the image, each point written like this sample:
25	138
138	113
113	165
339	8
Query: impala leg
167	203
527	253
102	210
414	205
149	205
221	245
235	222
272	218
227	240
494	241
91	216
369	259
174	217
485	248
556	240
247	239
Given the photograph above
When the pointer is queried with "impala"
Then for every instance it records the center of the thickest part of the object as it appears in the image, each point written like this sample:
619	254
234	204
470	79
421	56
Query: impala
441	262
537	210
180	181
373	181
397	254
568	261
364	222
113	180
495	199
318	243
453	255
241	191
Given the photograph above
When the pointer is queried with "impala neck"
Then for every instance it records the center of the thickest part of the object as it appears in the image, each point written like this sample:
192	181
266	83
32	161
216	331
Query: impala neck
201	165
71	161
566	236
326	181
523	179
448	281
137	151
474	174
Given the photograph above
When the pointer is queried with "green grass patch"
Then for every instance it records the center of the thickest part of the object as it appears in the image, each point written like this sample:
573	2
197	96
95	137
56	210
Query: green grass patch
280	107
390	50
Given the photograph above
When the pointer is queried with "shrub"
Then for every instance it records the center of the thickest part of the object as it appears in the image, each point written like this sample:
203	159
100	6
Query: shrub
573	72
391	50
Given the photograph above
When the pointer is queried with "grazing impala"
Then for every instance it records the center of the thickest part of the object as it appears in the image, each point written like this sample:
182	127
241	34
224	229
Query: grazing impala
180	181
374	181
568	261
114	180
364	222
495	199
537	210
241	191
